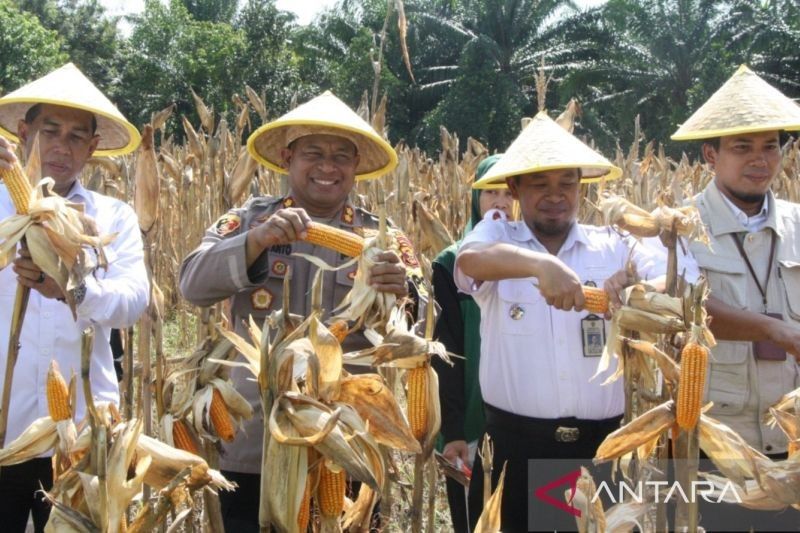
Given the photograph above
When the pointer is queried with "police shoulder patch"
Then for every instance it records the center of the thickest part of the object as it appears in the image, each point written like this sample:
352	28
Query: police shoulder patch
227	223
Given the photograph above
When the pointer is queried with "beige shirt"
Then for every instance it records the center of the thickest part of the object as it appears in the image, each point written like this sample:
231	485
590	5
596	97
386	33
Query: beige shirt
741	387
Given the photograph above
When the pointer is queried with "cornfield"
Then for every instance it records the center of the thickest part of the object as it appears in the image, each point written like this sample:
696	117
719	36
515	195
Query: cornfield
429	199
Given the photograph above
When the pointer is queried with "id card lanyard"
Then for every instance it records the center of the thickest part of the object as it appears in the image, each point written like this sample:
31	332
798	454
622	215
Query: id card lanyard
761	289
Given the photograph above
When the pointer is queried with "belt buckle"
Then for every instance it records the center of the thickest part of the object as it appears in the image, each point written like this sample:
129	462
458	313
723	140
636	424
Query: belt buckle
564	434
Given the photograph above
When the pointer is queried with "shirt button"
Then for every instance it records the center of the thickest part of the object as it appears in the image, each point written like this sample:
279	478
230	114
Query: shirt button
768	447
47	314
562	376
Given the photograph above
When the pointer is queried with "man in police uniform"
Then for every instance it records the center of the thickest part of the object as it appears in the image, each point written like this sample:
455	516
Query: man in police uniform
324	147
751	261
537	357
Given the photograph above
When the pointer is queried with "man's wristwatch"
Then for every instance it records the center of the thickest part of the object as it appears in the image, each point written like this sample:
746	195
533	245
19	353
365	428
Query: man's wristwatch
78	294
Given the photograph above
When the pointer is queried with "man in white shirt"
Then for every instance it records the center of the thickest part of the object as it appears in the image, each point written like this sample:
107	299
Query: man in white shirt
752	267
80	124
538	346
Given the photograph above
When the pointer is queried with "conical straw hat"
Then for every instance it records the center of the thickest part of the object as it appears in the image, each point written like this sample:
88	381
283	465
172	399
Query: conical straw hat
68	87
544	145
744	104
325	114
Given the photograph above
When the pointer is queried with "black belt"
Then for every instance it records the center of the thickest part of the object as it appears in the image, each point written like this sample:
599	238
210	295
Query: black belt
568	429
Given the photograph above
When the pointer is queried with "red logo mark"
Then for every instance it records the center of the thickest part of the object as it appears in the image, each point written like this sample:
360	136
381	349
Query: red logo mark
572	480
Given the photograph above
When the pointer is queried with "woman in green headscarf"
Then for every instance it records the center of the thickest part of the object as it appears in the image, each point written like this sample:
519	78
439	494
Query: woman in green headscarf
458	327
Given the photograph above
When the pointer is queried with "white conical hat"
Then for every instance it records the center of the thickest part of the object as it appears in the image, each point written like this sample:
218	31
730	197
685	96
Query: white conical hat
744	104
325	114
544	145
68	87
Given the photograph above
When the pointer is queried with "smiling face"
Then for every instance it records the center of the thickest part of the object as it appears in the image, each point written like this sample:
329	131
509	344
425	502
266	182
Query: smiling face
66	141
549	203
744	167
321	172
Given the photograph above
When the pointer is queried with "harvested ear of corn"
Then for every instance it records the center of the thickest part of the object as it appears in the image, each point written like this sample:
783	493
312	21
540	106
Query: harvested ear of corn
220	418
19	187
57	394
417	401
694	360
596	300
342	241
330	492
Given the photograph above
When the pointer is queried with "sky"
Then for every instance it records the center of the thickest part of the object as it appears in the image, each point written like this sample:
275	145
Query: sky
304	9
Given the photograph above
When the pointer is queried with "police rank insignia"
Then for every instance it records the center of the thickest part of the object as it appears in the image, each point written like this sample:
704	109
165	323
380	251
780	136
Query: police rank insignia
227	223
348	214
288	202
279	267
261	299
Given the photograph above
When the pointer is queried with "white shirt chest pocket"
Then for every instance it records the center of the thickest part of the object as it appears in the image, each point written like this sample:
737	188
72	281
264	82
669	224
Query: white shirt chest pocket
523	310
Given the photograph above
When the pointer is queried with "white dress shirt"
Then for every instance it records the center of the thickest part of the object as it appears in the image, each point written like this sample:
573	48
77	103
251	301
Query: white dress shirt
753	223
533	363
115	298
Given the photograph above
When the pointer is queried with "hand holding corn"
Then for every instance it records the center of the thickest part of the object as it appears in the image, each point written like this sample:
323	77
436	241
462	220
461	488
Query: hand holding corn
31	276
284	226
559	285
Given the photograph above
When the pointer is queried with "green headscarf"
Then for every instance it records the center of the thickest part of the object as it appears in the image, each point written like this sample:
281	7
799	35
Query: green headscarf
474	420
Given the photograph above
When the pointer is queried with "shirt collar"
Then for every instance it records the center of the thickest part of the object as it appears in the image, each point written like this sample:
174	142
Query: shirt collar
522	233
751	223
79	194
728	218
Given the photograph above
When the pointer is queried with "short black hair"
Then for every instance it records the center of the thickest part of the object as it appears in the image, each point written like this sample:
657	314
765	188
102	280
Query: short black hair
36	109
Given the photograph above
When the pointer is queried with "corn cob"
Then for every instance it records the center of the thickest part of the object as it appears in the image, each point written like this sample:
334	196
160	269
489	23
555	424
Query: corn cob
690	386
57	394
339	329
304	515
596	300
418	401
182	438
337	239
220	418
330	493
19	187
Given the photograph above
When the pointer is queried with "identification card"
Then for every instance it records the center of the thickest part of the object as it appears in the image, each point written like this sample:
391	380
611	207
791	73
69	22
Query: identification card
593	332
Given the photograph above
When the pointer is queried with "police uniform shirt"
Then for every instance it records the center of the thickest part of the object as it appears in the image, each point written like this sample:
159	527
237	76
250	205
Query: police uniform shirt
217	269
741	387
532	354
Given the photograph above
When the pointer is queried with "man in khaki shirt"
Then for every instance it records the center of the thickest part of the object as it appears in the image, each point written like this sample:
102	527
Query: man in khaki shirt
324	147
752	262
740	127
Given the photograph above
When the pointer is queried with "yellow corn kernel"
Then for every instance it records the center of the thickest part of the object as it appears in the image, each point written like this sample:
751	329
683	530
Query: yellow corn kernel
19	187
340	329
330	492
57	394
596	300
220	418
182	438
304	514
694	358
417	397
337	239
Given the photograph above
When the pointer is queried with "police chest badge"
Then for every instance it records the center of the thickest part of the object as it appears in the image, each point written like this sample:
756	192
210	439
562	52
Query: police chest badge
261	299
227	223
